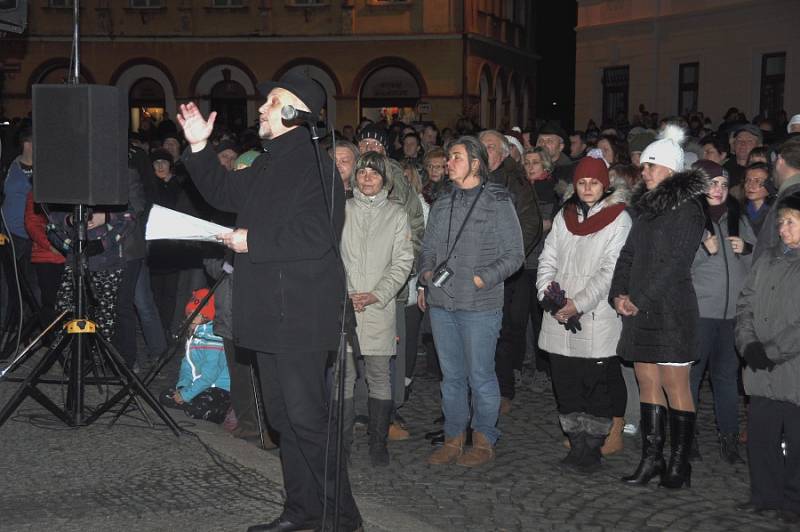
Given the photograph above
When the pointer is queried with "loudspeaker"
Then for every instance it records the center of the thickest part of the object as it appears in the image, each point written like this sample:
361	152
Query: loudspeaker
13	15
80	145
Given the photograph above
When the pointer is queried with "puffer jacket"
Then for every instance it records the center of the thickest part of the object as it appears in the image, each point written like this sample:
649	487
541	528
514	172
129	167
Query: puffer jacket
583	266
490	247
654	270
768	311
512	175
204	365
42	251
378	255
718	279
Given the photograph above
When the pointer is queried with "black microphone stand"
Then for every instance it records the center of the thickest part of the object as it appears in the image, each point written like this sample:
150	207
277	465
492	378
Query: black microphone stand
346	328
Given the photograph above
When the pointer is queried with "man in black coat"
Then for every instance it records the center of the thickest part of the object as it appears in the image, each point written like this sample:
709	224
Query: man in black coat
288	288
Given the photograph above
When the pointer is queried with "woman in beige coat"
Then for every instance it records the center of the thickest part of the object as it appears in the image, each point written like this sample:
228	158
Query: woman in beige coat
378	255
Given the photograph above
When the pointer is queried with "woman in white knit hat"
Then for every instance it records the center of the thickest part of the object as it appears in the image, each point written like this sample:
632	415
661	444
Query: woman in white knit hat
652	290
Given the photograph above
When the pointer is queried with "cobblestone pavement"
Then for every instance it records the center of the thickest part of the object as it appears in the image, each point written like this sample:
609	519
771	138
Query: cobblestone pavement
135	478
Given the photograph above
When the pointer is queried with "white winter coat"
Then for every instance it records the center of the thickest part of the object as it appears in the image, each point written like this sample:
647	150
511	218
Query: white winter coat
378	255
583	266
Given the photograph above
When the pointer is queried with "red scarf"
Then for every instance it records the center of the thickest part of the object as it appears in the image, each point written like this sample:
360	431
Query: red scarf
593	223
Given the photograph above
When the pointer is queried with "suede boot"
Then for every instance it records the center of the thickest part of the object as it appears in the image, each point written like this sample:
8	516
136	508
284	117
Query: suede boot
449	452
613	443
380	411
481	452
652	427
681	434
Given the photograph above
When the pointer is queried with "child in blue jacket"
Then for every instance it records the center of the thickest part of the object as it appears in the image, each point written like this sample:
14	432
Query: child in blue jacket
203	389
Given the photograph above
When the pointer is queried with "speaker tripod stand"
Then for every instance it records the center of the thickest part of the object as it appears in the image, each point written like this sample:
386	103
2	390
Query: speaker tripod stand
81	340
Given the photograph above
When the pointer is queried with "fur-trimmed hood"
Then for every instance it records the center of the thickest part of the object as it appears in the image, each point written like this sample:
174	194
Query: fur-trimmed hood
675	190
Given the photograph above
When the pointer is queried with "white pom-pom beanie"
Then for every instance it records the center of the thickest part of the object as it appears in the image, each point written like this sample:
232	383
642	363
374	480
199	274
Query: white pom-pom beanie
667	150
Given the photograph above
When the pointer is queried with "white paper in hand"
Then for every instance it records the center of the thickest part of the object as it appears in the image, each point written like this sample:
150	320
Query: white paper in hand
166	224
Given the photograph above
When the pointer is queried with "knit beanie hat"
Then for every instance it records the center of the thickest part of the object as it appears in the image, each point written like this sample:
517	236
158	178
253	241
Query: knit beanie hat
372	132
208	310
711	168
792	201
666	151
161	155
638	142
515	142
591	167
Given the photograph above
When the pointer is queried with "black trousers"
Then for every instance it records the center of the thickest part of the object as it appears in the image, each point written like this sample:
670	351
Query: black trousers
584	384
511	342
125	336
48	275
774	478
296	401
534	313
243	400
413	322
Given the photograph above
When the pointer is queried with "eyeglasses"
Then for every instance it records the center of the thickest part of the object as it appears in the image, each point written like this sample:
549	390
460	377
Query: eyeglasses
754	182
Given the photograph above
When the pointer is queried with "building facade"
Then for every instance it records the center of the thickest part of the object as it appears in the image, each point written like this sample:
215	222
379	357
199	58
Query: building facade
421	60
679	56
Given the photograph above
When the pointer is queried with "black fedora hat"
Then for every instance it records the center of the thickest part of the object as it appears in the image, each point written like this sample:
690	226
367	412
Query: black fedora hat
309	91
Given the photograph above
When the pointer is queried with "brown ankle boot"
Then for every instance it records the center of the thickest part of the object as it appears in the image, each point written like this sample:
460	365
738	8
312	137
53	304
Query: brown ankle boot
480	453
449	452
613	442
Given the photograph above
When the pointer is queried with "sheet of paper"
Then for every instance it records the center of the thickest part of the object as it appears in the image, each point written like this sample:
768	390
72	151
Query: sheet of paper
166	224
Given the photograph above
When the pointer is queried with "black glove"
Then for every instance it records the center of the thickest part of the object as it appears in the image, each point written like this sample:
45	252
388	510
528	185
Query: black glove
554	298
93	247
756	357
573	324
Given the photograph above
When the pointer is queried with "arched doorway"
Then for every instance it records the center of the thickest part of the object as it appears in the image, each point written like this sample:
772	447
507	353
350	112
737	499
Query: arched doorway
157	92
229	100
390	93
500	112
147	104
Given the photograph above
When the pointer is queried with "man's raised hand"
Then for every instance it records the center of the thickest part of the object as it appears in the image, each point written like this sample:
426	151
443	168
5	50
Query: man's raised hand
196	130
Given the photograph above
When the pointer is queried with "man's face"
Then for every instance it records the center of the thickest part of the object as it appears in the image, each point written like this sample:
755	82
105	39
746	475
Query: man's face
347	132
269	118
494	147
429	136
345	163
743	144
552	143
367	145
173	147
410	146
754	188
576	145
27	149
227	158
713	154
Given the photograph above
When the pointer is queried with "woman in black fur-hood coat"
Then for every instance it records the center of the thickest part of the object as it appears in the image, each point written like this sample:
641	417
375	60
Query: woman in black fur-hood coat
654	270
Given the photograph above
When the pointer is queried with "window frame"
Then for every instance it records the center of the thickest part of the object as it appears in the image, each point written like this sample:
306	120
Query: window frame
611	87
773	82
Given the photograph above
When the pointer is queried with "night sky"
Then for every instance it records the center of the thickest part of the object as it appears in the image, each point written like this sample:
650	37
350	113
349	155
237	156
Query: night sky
555	43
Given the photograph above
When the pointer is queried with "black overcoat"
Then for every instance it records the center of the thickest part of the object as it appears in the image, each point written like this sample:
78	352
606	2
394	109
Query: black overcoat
654	269
288	287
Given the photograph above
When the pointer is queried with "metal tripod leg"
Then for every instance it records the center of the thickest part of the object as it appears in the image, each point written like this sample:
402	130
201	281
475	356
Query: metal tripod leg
258	400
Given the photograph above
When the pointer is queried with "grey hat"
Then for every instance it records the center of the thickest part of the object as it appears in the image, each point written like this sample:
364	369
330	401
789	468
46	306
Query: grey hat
750	128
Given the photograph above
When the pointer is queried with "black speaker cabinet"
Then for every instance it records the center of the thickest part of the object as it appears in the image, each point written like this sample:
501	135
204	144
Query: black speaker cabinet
13	15
80	145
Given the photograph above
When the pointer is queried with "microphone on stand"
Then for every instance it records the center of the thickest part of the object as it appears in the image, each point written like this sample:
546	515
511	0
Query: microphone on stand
292	115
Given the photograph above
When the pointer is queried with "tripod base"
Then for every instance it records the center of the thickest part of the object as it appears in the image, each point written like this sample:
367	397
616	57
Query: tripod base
82	334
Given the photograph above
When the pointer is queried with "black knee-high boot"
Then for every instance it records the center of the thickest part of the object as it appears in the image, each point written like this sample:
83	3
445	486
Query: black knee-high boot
681	433
652	426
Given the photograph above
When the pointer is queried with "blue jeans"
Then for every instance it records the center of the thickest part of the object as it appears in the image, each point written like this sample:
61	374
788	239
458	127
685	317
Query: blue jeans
152	330
716	349
466	343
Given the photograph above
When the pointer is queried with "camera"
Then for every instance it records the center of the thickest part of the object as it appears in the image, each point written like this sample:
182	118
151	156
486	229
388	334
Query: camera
441	275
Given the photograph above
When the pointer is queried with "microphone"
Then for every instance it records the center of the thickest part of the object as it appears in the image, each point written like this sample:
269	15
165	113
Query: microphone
290	114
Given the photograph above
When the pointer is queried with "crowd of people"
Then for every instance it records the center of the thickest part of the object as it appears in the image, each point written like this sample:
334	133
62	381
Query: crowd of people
619	266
